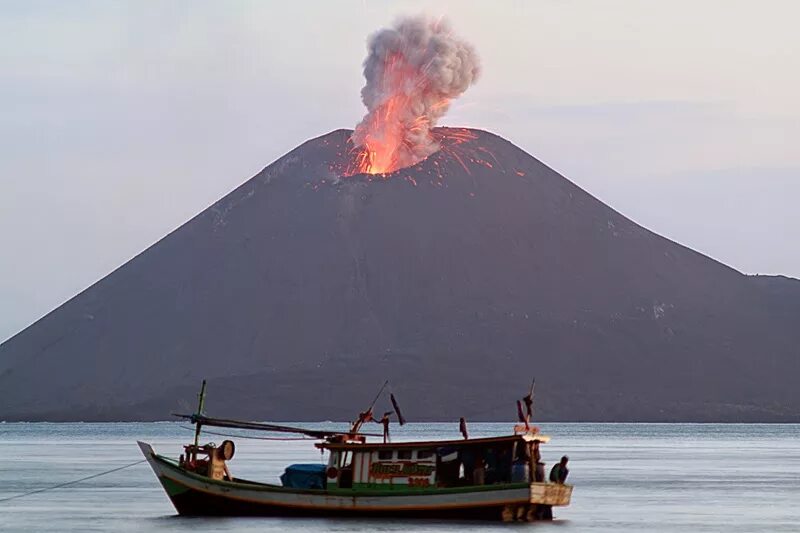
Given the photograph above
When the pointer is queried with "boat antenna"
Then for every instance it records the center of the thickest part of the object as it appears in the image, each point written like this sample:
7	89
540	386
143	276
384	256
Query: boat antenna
200	404
367	415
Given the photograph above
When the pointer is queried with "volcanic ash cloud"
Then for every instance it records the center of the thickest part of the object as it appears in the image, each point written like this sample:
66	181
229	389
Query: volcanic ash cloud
413	69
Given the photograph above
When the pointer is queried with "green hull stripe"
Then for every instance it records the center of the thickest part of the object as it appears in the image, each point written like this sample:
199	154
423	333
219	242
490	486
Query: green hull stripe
172	488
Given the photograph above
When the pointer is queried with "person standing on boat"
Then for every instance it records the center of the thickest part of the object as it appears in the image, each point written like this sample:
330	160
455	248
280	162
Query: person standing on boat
384	421
560	471
462	426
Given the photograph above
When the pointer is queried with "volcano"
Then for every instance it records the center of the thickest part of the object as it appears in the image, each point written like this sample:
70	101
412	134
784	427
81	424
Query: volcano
458	279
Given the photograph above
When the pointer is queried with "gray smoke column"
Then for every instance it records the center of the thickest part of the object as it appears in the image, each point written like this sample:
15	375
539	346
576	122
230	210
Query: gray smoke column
413	69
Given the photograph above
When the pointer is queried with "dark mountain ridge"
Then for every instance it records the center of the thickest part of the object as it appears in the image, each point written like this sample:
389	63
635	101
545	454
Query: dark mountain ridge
458	279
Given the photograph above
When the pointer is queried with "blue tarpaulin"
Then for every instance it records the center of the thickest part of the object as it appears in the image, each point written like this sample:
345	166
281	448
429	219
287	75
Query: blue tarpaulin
304	476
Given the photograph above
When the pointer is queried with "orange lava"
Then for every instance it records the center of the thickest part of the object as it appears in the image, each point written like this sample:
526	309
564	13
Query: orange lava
380	154
456	146
389	129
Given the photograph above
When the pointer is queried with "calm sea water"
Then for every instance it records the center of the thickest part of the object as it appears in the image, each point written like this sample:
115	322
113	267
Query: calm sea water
627	477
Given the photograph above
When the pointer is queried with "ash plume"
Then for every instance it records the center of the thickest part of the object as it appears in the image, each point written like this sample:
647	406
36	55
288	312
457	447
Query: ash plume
413	71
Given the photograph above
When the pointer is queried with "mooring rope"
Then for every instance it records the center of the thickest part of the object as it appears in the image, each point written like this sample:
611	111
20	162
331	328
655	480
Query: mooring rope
60	485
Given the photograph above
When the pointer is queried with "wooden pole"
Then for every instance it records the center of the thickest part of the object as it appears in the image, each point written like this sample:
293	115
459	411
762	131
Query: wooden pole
378	395
200	405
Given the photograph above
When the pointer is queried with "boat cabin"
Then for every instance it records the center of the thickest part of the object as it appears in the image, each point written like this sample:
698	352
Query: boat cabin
355	464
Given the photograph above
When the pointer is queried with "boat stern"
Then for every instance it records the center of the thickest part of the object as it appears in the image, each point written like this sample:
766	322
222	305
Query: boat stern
542	498
553	494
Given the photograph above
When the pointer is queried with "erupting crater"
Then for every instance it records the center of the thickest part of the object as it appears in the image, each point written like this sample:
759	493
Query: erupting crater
460	150
413	71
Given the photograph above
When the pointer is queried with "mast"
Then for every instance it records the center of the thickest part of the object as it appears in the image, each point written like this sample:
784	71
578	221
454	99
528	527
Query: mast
199	414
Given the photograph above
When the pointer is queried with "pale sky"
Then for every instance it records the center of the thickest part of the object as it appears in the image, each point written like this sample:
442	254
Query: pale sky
119	121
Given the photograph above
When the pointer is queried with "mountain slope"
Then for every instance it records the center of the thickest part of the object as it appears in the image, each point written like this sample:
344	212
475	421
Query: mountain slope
459	279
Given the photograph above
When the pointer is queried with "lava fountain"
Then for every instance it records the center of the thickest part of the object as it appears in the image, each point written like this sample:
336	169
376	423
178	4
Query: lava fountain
413	71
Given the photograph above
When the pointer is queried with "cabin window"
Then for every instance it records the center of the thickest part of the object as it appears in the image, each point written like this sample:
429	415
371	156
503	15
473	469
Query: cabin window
404	454
385	455
347	458
424	454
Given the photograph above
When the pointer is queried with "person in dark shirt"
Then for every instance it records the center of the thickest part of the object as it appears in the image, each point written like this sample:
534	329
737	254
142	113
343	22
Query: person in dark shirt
384	421
559	472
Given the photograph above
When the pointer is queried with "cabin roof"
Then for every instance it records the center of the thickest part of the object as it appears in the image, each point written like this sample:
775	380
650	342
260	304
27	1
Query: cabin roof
430	443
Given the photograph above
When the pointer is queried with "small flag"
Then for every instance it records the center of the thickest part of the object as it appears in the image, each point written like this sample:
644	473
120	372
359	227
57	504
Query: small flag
400	417
529	400
519	412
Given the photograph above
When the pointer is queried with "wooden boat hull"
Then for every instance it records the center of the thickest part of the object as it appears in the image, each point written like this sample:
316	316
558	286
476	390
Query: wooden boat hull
193	494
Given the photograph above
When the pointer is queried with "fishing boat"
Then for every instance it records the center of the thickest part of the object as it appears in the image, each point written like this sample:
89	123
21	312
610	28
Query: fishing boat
490	478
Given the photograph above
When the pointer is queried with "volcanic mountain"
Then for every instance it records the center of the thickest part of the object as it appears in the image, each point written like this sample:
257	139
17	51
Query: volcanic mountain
458	279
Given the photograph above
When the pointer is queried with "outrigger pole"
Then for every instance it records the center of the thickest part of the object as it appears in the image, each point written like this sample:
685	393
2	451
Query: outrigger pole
199	420
261	426
199	414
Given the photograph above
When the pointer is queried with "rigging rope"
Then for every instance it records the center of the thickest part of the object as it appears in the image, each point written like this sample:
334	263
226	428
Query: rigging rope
60	485
249	436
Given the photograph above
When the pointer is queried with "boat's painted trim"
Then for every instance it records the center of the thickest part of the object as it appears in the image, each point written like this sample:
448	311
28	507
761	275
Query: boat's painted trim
358	491
312	505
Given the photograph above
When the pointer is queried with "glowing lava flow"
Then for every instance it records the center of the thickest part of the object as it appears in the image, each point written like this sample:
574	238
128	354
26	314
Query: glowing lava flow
386	141
383	132
387	134
413	71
